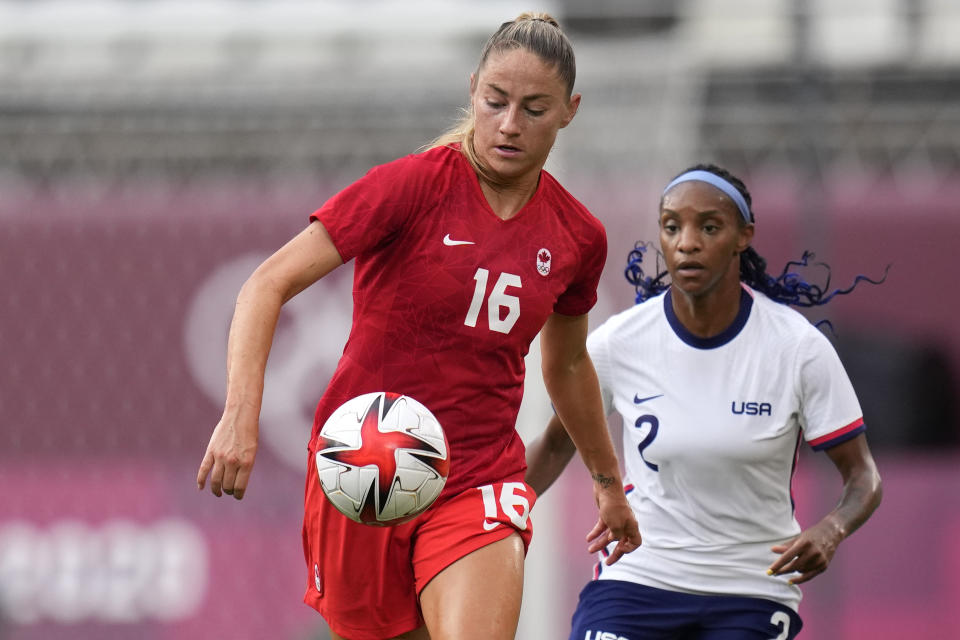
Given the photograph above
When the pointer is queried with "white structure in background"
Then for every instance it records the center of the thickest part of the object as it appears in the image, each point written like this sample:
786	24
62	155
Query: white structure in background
180	40
849	34
119	571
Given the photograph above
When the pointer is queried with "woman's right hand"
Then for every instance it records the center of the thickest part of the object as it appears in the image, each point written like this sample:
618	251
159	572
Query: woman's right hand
229	458
233	446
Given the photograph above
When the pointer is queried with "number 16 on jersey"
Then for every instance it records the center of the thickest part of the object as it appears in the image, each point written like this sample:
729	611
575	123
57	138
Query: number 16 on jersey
497	300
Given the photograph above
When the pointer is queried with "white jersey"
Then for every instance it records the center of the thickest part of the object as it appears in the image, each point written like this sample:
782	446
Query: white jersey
711	434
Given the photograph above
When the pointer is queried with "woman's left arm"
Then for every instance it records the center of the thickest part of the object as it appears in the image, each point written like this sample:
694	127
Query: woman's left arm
810	553
572	383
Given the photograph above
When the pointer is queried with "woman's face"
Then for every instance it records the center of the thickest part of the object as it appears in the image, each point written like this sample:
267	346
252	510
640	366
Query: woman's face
519	104
701	237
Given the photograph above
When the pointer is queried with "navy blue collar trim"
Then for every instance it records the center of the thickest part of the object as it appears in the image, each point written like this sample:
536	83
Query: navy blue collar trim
728	334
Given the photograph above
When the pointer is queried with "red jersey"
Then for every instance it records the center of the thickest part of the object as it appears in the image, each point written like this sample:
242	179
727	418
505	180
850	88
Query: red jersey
448	297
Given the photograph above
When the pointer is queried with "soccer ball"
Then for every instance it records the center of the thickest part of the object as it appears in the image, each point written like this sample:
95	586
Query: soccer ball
382	458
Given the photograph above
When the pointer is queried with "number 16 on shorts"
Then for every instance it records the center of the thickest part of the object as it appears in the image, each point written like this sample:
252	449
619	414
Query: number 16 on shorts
506	502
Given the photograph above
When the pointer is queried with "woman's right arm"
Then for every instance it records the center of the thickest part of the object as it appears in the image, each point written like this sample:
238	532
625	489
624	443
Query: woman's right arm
306	258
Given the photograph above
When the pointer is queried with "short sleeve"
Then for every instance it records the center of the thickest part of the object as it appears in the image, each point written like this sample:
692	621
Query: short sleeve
375	208
598	346
830	411
581	295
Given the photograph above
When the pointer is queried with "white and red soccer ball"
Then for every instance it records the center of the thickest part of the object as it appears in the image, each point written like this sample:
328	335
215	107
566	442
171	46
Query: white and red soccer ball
382	459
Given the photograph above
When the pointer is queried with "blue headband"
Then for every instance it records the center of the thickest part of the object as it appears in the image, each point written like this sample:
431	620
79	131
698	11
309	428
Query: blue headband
711	178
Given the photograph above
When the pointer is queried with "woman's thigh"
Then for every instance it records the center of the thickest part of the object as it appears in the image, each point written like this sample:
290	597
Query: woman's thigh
478	596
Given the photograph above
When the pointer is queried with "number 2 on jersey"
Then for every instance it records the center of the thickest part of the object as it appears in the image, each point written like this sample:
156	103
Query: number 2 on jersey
498	299
654	427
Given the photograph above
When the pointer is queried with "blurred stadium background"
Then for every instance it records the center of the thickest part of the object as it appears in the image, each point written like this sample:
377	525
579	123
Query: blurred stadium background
153	151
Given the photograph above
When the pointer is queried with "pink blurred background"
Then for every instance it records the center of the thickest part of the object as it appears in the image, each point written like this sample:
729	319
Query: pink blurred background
154	154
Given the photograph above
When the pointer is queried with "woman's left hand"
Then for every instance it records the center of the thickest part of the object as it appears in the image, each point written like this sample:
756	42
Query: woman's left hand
808	554
616	522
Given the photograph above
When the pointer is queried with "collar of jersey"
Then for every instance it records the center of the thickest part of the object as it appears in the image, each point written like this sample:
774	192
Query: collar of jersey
728	334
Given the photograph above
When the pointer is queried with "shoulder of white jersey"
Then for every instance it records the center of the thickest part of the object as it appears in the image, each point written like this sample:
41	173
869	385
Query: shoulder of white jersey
624	325
648	309
780	327
784	317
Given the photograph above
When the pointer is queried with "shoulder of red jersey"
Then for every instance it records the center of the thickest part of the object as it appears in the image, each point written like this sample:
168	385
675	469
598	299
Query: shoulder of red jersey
374	208
432	162
566	203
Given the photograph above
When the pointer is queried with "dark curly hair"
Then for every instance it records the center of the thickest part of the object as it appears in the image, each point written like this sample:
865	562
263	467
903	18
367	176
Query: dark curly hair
788	288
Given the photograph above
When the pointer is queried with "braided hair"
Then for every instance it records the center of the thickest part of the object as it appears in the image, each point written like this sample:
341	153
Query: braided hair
788	288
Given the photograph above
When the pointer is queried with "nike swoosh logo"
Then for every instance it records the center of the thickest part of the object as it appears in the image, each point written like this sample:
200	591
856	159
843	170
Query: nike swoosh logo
447	240
490	526
638	400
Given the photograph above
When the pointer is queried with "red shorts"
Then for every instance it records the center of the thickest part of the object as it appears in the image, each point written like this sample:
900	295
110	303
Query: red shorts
365	580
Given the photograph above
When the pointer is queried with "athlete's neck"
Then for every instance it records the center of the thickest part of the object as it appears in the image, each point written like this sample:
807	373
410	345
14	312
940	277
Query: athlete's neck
710	314
506	200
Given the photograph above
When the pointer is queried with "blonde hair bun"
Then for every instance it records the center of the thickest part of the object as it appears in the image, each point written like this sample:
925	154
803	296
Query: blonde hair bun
537	15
